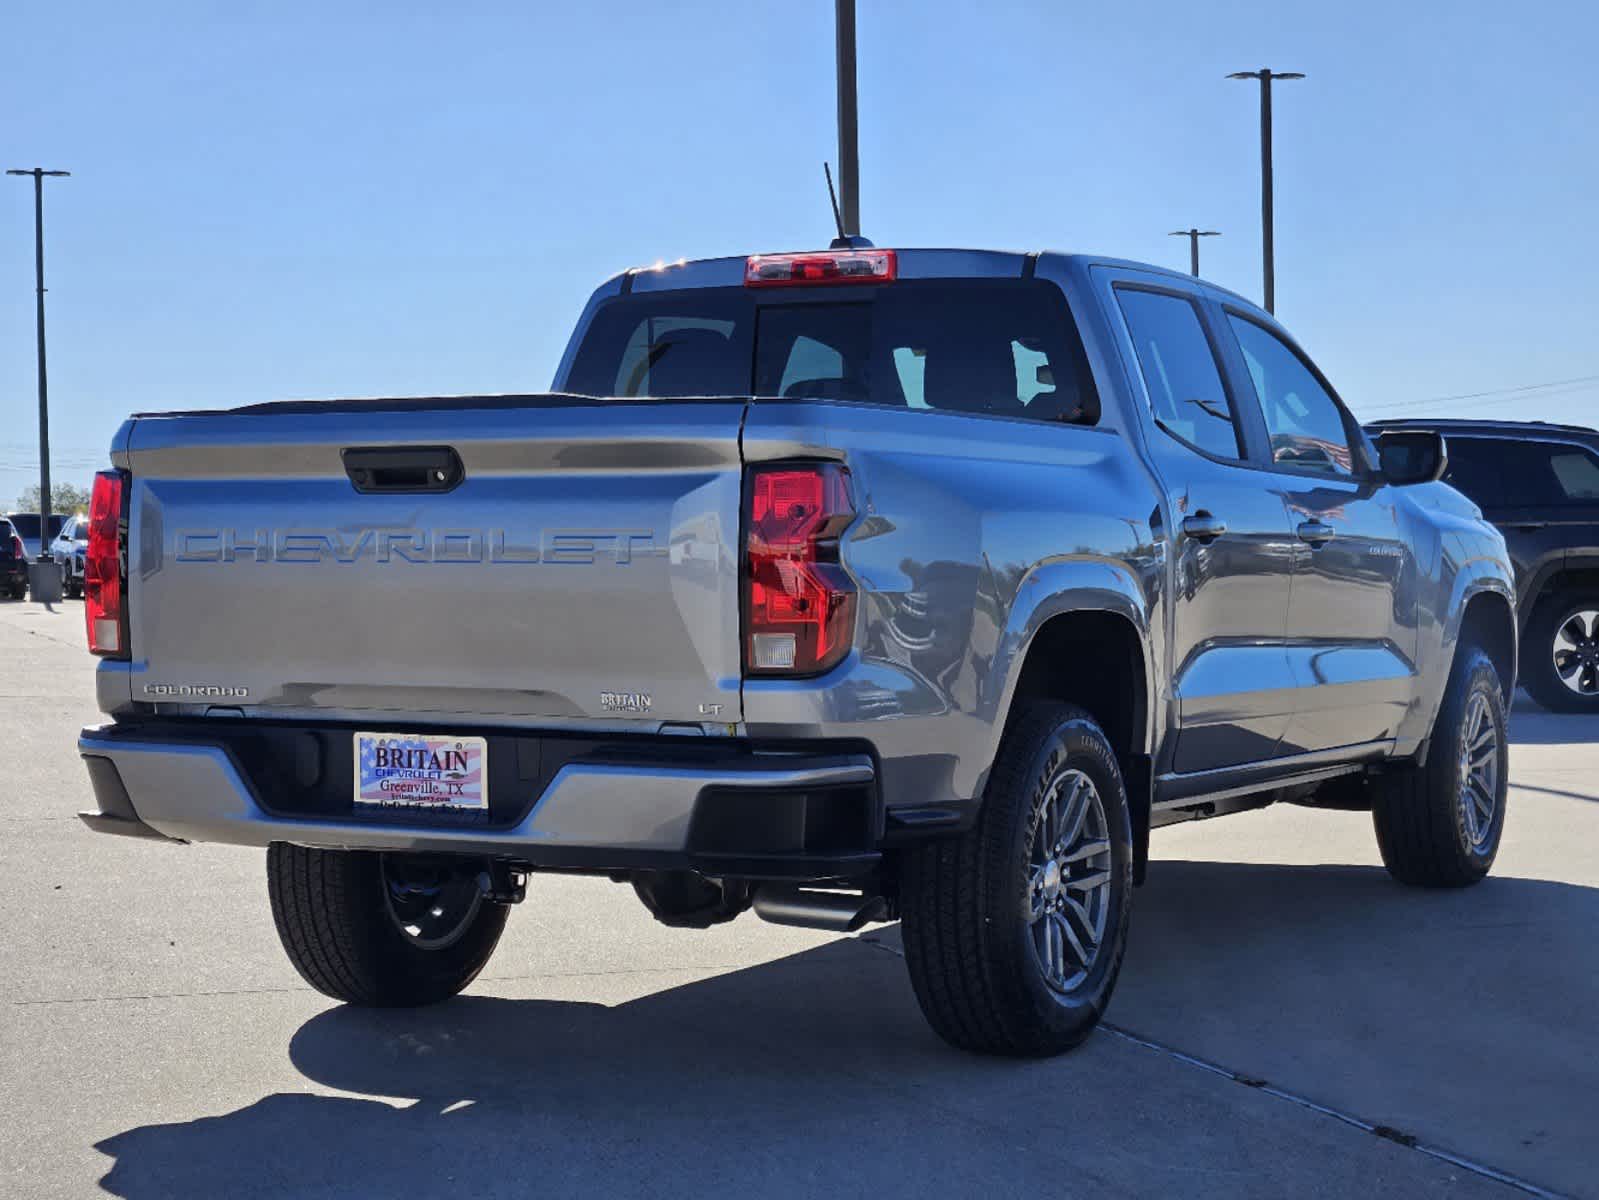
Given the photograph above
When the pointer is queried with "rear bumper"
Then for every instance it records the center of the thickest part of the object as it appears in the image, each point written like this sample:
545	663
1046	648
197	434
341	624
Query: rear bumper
721	810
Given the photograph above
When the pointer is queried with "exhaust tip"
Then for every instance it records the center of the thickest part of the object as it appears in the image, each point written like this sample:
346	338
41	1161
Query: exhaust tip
839	912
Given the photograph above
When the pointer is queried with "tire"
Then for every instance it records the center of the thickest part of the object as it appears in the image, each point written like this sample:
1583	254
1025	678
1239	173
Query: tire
1426	832
1573	619
340	928
976	953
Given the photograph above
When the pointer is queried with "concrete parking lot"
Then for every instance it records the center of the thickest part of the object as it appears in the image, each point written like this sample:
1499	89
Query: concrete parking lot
1288	1023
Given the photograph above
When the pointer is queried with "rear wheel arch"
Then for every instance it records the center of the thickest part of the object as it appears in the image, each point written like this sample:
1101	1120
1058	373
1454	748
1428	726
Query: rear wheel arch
1095	659
1098	661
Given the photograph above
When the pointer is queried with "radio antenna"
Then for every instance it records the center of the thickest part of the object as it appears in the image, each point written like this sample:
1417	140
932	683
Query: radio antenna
838	219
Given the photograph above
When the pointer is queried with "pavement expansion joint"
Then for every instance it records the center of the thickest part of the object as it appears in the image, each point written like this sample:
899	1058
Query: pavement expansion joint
1386	1132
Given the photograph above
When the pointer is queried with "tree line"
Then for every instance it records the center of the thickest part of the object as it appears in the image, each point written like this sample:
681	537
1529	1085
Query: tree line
65	498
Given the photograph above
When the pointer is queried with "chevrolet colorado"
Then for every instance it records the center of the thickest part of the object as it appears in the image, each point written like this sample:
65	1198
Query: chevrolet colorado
845	586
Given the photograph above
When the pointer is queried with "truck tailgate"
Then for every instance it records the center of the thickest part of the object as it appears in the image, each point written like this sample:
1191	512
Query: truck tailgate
583	568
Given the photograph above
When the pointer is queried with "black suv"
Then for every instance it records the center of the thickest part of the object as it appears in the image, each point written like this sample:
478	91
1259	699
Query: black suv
13	562
1539	484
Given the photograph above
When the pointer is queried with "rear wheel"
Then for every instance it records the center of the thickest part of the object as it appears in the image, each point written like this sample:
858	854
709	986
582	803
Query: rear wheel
1014	932
1439	823
1560	655
384	930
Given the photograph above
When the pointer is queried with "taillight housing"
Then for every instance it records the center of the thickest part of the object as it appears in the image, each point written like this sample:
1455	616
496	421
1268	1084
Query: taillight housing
18	551
799	602
820	267
105	590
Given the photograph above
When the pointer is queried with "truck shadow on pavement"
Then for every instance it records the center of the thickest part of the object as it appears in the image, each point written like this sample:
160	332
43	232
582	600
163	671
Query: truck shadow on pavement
815	1072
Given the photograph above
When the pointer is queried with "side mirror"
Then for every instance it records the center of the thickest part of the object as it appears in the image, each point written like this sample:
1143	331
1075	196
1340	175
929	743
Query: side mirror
1407	456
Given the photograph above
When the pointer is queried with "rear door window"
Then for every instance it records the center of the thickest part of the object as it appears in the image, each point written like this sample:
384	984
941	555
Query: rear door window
1180	372
1000	347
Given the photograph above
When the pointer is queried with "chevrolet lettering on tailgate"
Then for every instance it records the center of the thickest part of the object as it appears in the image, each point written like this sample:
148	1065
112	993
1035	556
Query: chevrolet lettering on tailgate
576	546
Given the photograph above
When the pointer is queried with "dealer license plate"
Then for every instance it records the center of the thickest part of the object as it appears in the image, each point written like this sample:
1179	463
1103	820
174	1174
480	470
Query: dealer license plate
421	770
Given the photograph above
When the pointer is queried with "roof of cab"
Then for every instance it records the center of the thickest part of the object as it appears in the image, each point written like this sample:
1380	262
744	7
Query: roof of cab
932	262
1481	424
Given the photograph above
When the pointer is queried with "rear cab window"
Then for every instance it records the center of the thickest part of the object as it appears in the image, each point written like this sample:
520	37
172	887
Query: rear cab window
981	346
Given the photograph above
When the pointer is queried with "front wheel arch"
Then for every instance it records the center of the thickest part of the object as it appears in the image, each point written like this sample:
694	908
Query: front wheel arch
1488	623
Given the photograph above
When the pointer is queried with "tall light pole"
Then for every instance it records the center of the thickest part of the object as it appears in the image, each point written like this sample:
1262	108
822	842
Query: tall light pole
1193	236
1268	264
39	174
849	161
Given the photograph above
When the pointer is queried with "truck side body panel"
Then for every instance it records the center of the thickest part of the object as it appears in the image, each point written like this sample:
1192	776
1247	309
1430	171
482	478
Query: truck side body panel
973	532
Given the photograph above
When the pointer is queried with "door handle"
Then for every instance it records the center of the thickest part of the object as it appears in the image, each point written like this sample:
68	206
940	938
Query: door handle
1317	533
1203	527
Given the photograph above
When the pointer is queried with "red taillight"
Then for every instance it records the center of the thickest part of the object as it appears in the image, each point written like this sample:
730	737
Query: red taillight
104	591
17	550
800	602
831	266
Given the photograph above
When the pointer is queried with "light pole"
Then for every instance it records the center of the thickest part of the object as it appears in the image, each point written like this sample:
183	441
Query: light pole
849	161
39	174
1266	75
1193	236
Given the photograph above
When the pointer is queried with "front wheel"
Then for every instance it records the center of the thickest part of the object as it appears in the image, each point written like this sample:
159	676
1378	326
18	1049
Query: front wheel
382	930
1014	932
1439	823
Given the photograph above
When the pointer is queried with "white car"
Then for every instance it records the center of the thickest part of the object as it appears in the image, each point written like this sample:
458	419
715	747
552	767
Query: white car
68	550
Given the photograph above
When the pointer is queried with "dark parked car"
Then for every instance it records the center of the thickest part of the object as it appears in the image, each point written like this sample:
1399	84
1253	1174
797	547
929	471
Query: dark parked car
13	563
27	527
1539	483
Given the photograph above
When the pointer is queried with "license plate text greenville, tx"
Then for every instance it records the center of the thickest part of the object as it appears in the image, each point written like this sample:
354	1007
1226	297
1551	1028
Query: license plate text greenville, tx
420	771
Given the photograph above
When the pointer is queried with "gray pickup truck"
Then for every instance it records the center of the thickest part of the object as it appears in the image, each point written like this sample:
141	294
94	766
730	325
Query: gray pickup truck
845	586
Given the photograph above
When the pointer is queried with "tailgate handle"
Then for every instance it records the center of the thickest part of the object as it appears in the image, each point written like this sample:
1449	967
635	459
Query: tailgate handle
403	468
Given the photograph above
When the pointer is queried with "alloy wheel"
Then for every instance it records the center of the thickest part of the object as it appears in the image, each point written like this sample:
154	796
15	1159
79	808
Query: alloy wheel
1576	653
1479	770
1068	896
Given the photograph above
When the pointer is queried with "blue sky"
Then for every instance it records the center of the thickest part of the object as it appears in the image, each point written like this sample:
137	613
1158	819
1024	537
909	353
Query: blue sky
299	200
